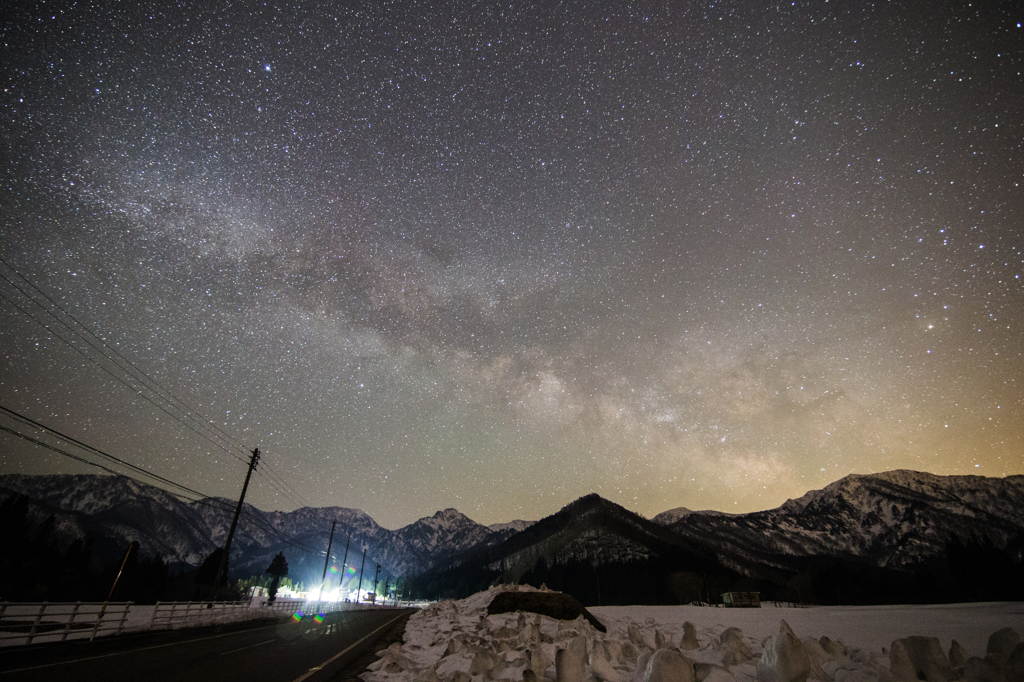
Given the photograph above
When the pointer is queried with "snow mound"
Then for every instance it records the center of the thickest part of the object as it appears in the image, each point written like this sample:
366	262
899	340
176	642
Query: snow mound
460	641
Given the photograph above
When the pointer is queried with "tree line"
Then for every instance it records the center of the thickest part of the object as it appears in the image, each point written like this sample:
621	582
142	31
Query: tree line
36	564
966	570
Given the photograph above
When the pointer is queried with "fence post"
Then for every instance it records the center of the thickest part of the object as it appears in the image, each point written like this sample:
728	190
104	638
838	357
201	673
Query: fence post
152	621
35	624
124	617
99	618
67	628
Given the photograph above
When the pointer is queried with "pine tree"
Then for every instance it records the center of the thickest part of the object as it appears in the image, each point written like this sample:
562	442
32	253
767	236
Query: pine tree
207	572
278	568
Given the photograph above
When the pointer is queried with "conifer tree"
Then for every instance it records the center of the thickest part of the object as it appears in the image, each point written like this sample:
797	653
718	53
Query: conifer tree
278	568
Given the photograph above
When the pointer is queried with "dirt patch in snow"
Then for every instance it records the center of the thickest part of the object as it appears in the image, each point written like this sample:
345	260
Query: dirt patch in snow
552	604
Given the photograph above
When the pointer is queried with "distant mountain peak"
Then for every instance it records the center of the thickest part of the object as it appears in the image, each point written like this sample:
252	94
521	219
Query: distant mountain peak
669	517
893	520
890	519
512	526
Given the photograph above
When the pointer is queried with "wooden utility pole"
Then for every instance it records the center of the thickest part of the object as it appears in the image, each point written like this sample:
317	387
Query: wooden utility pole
361	567
134	545
341	583
327	560
234	522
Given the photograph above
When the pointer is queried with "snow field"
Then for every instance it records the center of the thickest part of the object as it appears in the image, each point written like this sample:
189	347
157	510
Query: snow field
455	641
862	627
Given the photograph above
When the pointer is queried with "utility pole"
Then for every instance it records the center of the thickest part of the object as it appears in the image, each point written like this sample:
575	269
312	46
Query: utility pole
375	574
234	522
361	567
134	545
327	560
341	582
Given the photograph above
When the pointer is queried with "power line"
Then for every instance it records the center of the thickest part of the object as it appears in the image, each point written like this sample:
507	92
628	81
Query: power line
201	498
276	481
55	449
272	476
89	448
120	380
138	374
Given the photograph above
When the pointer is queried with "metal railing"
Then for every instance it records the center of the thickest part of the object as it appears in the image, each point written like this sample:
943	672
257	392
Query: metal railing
169	614
30	620
23	623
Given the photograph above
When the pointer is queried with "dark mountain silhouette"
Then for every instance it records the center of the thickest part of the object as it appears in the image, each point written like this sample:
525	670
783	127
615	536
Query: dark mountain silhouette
116	510
899	536
896	536
593	549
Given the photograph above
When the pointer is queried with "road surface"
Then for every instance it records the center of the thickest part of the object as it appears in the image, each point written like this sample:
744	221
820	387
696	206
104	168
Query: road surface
284	651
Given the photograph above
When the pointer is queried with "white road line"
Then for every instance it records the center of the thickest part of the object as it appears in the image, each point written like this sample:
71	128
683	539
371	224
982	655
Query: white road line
345	650
225	653
129	651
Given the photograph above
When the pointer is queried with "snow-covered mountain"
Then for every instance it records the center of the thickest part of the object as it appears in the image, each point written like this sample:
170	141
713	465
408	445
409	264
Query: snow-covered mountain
184	533
894	519
446	532
592	530
511	527
121	509
864	539
593	548
667	518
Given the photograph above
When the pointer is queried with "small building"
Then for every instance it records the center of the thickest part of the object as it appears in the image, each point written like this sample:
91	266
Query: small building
751	600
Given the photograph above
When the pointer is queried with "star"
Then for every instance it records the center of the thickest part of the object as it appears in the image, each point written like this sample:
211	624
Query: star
502	257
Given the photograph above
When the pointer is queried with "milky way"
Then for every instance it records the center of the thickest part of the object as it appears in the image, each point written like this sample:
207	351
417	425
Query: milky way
496	257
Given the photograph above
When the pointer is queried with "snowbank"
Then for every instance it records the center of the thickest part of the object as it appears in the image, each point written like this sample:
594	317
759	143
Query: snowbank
862	627
457	641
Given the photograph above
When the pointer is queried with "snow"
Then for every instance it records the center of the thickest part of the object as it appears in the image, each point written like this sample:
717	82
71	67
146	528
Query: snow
139	617
861	627
667	518
189	531
456	640
518	526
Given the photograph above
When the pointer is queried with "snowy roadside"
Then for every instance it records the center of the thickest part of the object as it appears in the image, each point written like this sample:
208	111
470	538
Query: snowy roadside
142	615
139	618
456	641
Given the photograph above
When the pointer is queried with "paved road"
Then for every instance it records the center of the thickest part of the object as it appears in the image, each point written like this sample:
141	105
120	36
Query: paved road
280	652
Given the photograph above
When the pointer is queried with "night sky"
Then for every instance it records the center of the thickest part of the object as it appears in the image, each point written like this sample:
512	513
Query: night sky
499	256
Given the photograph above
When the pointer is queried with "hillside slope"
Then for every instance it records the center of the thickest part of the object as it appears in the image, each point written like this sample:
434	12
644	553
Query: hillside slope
895	519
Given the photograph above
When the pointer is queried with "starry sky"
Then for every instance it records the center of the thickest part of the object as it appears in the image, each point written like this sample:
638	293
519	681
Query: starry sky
496	256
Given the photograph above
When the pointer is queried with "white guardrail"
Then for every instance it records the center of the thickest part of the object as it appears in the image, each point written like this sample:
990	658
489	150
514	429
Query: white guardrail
23	623
60	621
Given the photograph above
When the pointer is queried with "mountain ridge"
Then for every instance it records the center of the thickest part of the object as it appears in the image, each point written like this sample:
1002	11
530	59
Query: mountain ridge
187	531
891	521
